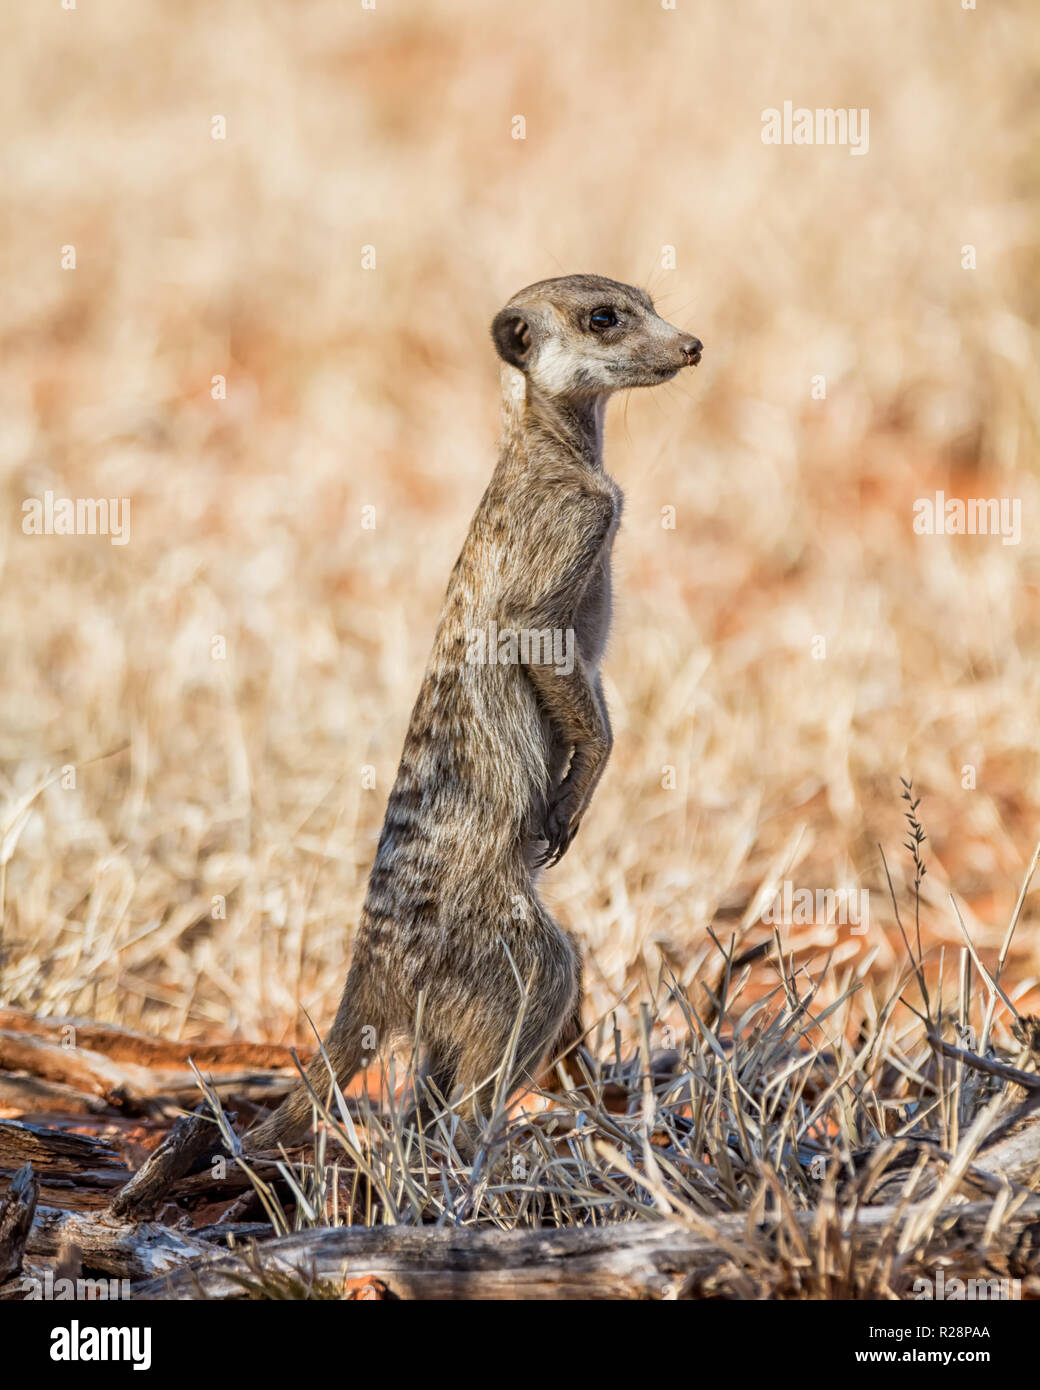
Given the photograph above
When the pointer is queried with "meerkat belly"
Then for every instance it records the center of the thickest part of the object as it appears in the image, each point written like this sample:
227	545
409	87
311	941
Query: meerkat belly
455	817
527	753
592	620
474	747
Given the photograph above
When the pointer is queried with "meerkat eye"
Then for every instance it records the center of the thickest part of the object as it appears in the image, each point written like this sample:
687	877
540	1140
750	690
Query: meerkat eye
602	318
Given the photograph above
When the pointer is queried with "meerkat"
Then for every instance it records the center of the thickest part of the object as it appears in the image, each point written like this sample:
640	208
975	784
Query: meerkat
503	754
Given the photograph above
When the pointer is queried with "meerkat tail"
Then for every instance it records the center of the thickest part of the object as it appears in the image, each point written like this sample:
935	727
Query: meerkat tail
345	1054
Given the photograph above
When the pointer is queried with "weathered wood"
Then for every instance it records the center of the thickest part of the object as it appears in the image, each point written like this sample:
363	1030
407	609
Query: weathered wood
16	1217
1013	1151
78	1067
21	1094
128	1084
1028	1080
80	1172
241	1232
234	1182
639	1259
123	1249
15	1289
75	1164
630	1260
190	1137
127	1045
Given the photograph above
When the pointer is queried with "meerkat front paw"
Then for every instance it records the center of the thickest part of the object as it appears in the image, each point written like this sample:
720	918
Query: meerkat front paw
560	828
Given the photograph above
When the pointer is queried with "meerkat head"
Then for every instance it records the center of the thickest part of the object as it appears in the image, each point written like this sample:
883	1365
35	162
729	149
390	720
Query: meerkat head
583	336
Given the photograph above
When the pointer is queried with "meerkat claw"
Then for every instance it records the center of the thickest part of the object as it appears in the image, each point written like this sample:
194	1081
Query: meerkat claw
559	831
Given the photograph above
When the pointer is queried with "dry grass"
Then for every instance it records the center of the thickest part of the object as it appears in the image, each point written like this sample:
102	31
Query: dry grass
840	1133
242	778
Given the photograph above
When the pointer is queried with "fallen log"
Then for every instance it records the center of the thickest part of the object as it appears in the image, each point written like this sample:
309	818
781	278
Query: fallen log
190	1138
127	1045
122	1249
631	1260
21	1094
16	1217
1013	1151
77	1067
67	1165
129	1085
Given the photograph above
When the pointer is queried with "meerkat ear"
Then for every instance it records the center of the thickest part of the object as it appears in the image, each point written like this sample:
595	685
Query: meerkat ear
513	337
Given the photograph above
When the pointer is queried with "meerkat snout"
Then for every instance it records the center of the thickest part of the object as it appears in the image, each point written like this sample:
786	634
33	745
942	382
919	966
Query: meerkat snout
585	335
691	350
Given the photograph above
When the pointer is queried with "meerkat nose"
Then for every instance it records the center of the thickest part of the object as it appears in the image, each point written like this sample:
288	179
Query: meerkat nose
691	349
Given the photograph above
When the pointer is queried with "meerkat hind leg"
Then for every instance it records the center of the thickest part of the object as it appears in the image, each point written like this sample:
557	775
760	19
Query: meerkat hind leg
434	1085
567	1043
480	1076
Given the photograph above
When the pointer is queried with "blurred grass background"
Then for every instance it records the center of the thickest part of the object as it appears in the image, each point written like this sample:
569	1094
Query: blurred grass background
391	128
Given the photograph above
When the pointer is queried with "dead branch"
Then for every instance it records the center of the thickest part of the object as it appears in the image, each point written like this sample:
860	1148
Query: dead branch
121	1249
21	1094
141	1049
188	1140
640	1259
1013	1149
16	1217
1028	1080
127	1084
67	1165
